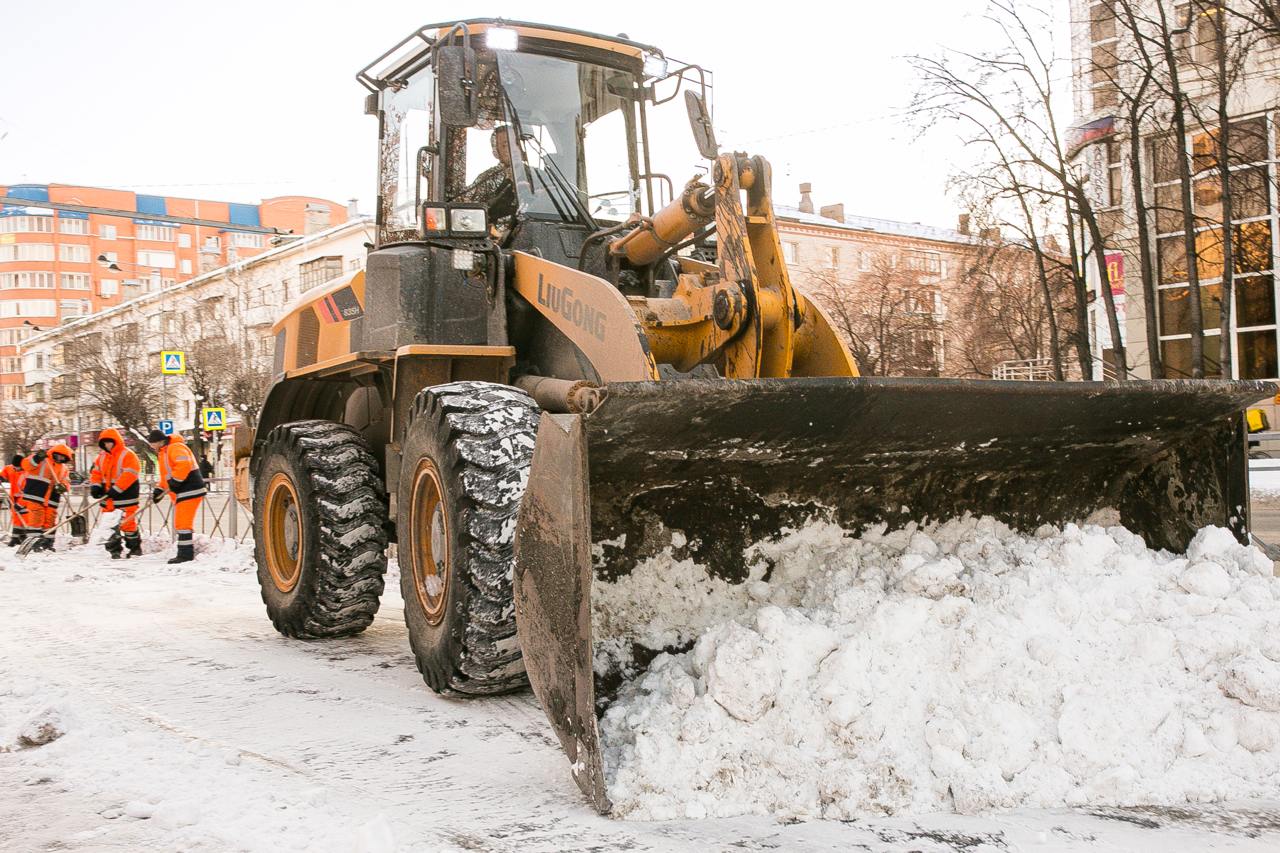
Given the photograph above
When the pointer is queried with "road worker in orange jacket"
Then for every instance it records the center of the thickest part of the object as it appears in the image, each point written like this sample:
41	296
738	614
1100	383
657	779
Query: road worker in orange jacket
12	474
180	477
46	480
115	477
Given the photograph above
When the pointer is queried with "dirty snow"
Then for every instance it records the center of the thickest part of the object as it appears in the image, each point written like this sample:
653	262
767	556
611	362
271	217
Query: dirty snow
961	667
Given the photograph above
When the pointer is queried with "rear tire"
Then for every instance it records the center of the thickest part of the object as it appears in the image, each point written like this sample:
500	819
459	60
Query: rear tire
464	468
319	511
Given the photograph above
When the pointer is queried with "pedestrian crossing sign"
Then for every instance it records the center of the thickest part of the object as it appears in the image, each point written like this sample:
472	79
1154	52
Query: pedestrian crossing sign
173	362
212	419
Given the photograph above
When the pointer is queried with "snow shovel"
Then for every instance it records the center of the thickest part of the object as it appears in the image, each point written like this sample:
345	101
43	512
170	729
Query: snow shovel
28	545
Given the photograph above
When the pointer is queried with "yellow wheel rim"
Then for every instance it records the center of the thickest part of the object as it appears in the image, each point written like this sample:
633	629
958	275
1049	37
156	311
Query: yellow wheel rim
284	545
430	536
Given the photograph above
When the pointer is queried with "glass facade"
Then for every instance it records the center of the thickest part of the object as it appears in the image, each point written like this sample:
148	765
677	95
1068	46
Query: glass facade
1251	177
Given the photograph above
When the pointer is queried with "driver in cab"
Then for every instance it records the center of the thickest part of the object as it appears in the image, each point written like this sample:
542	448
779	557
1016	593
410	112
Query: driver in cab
493	187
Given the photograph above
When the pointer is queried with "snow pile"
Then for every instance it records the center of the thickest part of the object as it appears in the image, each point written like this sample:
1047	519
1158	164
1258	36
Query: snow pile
954	667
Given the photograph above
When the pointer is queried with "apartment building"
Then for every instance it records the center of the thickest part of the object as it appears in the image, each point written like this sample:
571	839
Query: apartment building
70	251
237	303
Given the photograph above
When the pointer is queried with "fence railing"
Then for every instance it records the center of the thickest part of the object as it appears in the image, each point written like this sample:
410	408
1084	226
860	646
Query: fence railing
220	515
1025	370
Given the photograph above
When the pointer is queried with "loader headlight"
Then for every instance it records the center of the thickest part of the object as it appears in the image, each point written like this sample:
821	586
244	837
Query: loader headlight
501	38
655	66
467	220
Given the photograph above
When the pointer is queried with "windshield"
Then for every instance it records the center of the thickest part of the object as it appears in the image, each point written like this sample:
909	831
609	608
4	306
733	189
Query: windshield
568	125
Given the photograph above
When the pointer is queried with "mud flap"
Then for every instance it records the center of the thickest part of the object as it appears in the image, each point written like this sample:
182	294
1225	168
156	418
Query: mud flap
729	463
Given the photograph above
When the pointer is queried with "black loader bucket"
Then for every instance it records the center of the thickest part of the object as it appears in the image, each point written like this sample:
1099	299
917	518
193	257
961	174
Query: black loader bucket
715	466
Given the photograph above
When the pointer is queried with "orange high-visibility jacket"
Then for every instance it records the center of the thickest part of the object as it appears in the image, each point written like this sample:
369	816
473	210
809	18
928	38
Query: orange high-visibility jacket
179	472
41	478
117	471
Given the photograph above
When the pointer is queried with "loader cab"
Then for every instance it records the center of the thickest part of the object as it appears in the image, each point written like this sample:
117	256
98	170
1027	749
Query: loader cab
575	110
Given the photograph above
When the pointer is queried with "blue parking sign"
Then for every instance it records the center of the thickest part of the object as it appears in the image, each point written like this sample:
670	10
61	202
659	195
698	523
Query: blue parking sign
166	427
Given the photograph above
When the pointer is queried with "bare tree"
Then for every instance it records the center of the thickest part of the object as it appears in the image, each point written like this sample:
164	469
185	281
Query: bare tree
1005	101
888	316
115	375
21	427
1012	305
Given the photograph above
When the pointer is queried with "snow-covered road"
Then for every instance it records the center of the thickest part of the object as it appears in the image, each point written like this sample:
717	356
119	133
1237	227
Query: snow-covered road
189	724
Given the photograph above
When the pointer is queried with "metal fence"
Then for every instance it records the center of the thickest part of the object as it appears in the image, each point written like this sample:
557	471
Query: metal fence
1025	370
220	515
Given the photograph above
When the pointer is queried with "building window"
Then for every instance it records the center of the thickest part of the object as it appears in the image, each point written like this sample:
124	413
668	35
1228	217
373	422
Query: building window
929	263
790	251
1103	38
10	364
22	280
107	232
157	233
184	241
75	253
74	281
28	308
152	258
1254	305
26	252
247	241
108	287
186	267
26	225
73	226
317	272
74	308
864	262
833	257
1115	177
13	337
212	245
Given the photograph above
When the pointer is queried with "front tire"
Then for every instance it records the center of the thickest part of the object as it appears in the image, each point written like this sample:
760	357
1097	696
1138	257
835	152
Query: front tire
319	510
467	450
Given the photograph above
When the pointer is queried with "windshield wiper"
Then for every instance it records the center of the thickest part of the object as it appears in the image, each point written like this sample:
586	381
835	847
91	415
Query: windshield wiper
568	191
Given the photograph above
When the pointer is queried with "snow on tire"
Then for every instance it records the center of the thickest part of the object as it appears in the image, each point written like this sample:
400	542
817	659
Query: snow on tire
464	469
320	539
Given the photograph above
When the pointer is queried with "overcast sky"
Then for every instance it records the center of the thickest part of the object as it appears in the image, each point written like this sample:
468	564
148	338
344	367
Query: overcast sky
243	100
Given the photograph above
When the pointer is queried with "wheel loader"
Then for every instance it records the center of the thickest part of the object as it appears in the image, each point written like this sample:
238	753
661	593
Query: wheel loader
560	360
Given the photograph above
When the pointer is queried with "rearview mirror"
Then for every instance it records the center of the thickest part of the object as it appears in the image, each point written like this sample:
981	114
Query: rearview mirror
700	122
456	85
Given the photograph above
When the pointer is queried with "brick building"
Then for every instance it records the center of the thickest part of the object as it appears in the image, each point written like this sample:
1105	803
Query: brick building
67	251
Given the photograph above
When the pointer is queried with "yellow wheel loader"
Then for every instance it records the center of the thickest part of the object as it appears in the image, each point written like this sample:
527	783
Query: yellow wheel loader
560	360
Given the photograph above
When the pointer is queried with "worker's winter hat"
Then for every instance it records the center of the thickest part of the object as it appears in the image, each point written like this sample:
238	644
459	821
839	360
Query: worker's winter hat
156	437
16	460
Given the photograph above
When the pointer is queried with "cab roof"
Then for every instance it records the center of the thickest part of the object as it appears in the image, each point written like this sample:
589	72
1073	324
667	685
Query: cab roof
408	53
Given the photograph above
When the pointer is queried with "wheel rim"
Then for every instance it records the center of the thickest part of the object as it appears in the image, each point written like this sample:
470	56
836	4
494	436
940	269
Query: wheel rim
430	536
283	526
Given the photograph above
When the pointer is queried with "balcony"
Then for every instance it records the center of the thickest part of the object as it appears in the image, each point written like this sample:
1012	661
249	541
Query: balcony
261	315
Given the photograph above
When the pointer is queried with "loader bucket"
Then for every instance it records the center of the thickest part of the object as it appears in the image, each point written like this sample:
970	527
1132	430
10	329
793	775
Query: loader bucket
728	463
